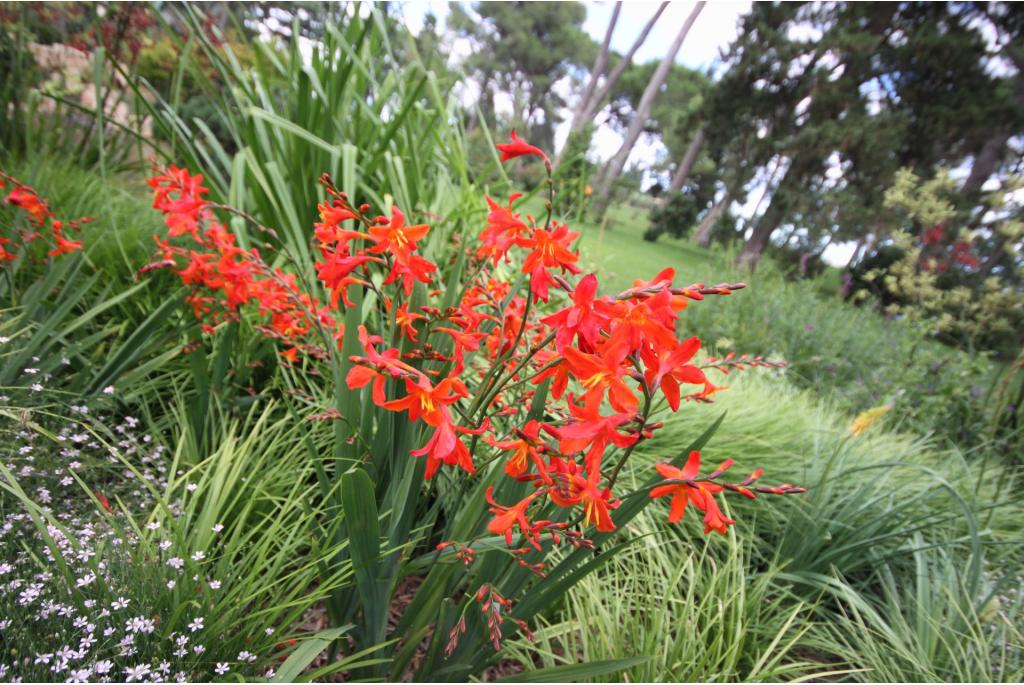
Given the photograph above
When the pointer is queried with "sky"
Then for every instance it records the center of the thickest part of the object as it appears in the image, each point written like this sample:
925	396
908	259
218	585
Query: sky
712	32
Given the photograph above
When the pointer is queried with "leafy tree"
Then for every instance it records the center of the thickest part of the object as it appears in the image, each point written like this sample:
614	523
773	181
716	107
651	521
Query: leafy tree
523	49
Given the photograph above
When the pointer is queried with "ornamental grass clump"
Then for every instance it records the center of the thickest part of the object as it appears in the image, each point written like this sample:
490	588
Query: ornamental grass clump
471	404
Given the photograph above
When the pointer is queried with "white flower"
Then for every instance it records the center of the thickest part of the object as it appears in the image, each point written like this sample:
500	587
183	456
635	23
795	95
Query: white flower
32	371
199	649
152	525
214	584
246	656
176	562
269	674
199	556
171	583
79	676
165	544
36	387
269	631
218	528
119	603
191	487
102	667
222	668
4	340
140	624
196	625
109	390
136	674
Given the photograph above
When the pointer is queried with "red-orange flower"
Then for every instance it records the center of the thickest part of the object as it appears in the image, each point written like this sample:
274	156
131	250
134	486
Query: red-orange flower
507	518
179	196
581	319
550	249
668	368
573	489
395	237
30	203
591	429
699	494
517	148
504	229
597	373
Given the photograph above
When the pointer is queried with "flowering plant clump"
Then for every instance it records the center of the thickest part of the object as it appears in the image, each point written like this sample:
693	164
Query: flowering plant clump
42	224
86	598
509	365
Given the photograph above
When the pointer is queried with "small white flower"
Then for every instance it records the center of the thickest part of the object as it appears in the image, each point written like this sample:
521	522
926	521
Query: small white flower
199	555
119	603
191	487
176	562
248	657
214	584
32	371
269	631
80	675
165	544
199	649
109	390
222	668
269	674
152	525
196	625
218	528
137	673
4	340
171	583
36	387
102	667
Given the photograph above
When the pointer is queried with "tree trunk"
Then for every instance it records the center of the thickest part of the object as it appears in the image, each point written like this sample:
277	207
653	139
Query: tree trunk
588	109
600	64
703	235
753	249
643	112
985	163
686	166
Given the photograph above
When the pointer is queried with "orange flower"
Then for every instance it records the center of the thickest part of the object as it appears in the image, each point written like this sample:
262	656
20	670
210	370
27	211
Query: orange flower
507	518
699	494
596	372
550	249
397	238
504	229
593	430
179	196
581	319
30	203
428	402
524	450
517	148
573	489
668	368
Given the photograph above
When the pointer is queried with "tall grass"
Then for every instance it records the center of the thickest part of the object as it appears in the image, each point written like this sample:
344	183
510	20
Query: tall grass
899	563
358	107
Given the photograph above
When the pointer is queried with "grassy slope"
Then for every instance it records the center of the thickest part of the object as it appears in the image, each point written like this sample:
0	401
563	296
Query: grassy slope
882	495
